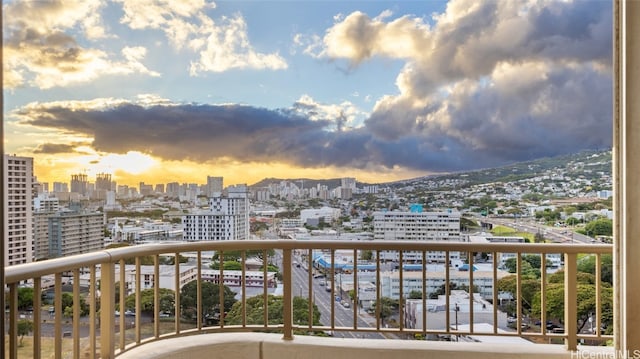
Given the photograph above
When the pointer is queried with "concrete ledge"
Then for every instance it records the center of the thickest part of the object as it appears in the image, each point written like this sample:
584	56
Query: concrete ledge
222	345
272	346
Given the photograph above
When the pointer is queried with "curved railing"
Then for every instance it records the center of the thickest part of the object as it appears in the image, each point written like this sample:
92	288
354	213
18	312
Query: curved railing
104	278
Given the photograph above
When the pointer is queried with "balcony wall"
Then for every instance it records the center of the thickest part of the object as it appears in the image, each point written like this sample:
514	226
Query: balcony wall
107	342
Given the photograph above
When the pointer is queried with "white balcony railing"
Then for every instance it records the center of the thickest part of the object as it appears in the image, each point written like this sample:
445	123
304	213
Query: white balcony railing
106	276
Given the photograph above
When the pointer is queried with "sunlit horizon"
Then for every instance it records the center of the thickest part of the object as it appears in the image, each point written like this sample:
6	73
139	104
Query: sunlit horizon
163	172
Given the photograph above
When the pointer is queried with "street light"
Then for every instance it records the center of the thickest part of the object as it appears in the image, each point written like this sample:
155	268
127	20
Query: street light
457	309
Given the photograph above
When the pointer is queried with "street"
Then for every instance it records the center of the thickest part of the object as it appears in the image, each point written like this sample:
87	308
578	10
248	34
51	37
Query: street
325	300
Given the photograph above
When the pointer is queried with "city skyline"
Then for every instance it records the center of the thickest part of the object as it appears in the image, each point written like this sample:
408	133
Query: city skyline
380	90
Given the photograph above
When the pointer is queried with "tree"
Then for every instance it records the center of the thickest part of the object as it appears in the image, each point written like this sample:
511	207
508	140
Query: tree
587	264
599	227
571	221
166	296
237	255
538	238
581	277
67	300
386	307
529	288
25	297
510	265
24	328
527	270
366	254
415	294
275	308
228	265
273	268
586	304
210	298
68	304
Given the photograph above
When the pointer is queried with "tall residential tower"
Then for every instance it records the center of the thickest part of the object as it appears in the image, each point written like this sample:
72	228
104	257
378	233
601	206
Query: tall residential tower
18	216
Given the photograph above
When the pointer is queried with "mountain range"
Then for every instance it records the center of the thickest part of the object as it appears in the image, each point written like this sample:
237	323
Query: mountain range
596	161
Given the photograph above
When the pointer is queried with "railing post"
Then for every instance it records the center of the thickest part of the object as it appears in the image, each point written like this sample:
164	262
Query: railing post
287	305
571	300
13	321
107	310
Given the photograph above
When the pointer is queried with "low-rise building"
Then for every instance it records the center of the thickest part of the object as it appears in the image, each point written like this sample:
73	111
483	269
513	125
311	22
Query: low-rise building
460	305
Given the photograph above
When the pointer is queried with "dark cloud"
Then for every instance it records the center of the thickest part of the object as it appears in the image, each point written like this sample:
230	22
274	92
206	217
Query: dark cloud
200	132
485	127
55	148
204	133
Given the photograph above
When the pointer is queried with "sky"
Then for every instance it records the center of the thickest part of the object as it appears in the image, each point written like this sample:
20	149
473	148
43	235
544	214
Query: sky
160	91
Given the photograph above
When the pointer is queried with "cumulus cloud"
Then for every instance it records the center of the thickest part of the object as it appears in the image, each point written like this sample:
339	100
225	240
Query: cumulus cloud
346	115
41	51
221	45
486	82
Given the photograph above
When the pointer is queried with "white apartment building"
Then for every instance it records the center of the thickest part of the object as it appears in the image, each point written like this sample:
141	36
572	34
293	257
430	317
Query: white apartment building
235	278
166	279
412	280
188	273
18	204
327	213
227	218
66	233
45	203
417	226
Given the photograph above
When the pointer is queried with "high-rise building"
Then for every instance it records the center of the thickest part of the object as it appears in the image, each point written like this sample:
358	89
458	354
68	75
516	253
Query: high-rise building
41	187
146	189
348	182
173	189
110	202
102	186
18	204
159	188
226	219
41	233
60	187
214	186
103	182
79	184
66	233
